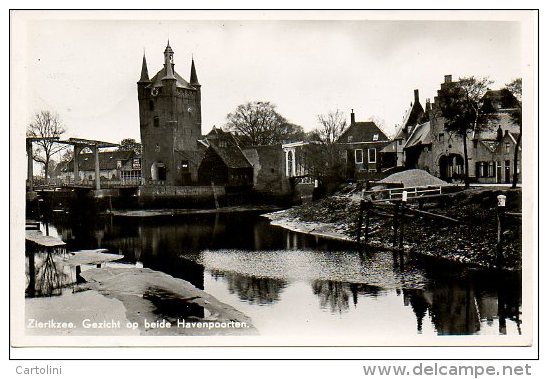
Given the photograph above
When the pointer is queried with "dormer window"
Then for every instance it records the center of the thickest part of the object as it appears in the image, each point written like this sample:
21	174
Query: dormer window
350	138
375	137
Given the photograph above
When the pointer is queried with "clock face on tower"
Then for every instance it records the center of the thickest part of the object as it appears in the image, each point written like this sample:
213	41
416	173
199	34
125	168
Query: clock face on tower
154	91
190	109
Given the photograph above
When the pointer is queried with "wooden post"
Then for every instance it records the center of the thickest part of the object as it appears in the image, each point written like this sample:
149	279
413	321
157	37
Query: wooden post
214	195
402	211
396	215
367	207
97	172
501	208
30	163
360	221
76	172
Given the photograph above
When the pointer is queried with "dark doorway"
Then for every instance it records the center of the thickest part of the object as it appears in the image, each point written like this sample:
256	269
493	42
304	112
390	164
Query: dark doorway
185	173
507	172
161	172
444	175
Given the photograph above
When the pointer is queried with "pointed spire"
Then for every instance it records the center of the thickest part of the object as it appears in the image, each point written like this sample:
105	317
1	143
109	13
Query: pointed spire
168	48
144	71
193	76
168	63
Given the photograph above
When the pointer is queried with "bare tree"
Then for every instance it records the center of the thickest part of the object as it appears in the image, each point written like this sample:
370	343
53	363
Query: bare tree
323	156
45	125
515	88
259	123
462	105
331	126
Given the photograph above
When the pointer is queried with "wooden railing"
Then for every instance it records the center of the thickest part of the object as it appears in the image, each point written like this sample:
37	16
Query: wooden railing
396	193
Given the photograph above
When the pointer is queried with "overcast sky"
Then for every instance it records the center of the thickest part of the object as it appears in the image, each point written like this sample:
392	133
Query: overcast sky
87	70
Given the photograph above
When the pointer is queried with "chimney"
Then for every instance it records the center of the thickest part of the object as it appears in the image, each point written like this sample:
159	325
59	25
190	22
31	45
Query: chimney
448	79
506	133
499	133
416	96
428	106
352	118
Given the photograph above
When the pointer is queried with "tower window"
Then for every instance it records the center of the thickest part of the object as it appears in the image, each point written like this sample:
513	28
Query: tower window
156	121
150	105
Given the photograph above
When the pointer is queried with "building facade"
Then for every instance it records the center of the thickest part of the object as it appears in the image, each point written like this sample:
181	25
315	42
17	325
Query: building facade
121	166
170	117
431	147
361	145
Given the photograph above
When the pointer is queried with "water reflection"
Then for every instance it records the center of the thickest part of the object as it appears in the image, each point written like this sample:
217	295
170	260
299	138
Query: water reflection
252	289
45	272
261	270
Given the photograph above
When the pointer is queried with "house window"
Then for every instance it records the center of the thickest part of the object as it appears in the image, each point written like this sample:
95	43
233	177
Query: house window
358	155
151	105
118	164
507	147
491	169
482	169
400	142
440	137
156	121
375	137
517	164
350	138
372	155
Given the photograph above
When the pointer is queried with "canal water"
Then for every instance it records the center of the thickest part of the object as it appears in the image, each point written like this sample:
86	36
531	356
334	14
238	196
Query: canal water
295	284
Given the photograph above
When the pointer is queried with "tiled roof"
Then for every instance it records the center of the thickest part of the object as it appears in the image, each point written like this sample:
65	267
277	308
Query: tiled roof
108	160
420	136
232	156
501	99
504	119
157	80
362	132
194	157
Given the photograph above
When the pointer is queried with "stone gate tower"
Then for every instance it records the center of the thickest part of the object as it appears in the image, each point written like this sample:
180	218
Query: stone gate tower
170	118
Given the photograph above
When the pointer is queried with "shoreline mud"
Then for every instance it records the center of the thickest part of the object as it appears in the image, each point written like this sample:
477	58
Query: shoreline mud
471	242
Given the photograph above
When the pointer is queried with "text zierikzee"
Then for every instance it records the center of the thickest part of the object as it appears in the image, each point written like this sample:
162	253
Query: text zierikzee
117	324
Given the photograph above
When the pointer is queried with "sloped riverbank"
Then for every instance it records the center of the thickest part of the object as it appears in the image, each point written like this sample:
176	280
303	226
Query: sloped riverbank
471	241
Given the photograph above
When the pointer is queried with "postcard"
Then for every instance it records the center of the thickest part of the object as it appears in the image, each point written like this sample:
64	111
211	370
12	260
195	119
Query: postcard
273	178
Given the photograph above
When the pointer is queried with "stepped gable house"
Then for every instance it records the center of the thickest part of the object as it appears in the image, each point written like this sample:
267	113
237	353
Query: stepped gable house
490	149
170	118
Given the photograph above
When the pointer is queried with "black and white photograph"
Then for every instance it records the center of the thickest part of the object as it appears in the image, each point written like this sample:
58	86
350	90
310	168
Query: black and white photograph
271	178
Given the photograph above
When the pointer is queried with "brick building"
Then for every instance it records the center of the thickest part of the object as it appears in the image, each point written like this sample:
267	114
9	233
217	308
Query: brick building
431	147
170	124
361	144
